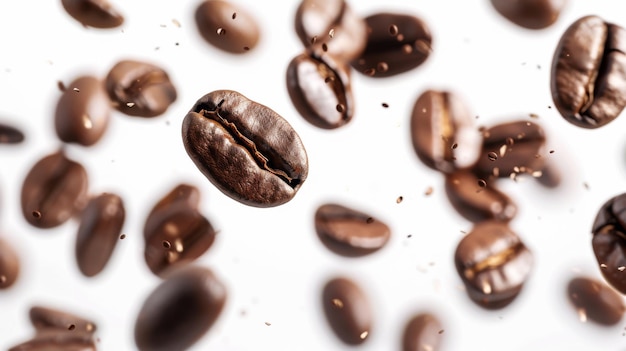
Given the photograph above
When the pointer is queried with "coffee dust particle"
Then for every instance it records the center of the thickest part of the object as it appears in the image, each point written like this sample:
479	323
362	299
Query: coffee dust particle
166	244
37	214
221	31
234	15
399	199
428	191
369	220
393	30
123	236
71	327
385	105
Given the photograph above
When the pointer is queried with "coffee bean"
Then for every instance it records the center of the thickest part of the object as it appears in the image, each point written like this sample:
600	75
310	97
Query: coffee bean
180	310
54	190
315	18
183	195
493	263
588	80
218	26
347	310
140	89
392	51
319	88
477	203
82	117
439	121
44	318
100	227
349	232
58	340
245	149
550	176
595	301
9	264
609	241
422	333
93	13
530	14
10	134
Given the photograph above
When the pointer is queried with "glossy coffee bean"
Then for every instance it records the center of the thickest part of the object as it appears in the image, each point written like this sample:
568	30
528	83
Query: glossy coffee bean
422	332
347	310
93	13
609	241
10	134
44	318
54	190
100	227
227	26
493	263
396	43
83	112
180	310
349	232
588	79
58	340
245	149
442	132
9	264
140	89
595	301
319	88
184	195
530	14
477	200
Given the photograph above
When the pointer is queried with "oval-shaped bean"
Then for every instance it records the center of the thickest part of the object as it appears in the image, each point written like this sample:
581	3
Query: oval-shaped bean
347	310
227	26
609	241
595	301
422	332
530	14
93	13
9	264
44	318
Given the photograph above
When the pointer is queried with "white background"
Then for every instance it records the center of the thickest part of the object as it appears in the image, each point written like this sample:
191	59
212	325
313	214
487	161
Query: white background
270	259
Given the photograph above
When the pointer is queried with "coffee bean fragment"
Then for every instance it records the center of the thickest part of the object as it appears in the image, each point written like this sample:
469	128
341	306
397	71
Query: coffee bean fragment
609	241
422	333
215	21
351	318
9	264
93	13
595	301
10	134
530	14
45	318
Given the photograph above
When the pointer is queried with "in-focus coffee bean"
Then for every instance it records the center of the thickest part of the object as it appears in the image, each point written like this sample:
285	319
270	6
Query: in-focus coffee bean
422	332
140	89
10	134
609	241
227	26
58	340
9	264
348	310
44	318
493	263
595	301
349	232
245	149
588	78
93	13
530	14
180	310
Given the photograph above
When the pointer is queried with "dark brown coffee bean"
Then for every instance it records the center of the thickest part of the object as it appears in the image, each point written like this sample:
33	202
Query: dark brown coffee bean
10	134
316	20
349	232
319	88
54	190
609	241
595	301
347	310
140	89
589	72
44	318
386	55
180	310
439	121
493	263
477	203
100	226
245	149
58	340
422	333
531	14
184	195
9	265
216	24
93	13
82	115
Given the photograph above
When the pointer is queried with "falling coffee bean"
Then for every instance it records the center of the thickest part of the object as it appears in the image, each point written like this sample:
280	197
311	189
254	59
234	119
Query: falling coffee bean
595	301
58	340
9	264
10	134
609	241
422	333
530	14
93	13
217	25
183	195
44	318
347	310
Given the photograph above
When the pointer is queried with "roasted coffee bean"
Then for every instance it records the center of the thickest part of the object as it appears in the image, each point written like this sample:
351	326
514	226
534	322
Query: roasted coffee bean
595	301
349	232
93	13
530	14
588	80
10	135
54	190
439	121
82	115
477	203
493	263
183	195
140	89
388	55
100	226
58	340
609	241
217	25
245	149
319	88
9	264
422	333
331	26
44	318
180	310
347	310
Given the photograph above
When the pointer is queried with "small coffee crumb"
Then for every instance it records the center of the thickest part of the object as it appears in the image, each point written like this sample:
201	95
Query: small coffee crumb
76	90
163	25
399	199
313	40
268	323
393	30
510	141
549	106
409	236
441	331
341	108
382	67
61	86
324	47
177	43
534	115
123	236
71	327
37	214
166	244
551	151
234	15
221	31
482	183
538	66
329	79
385	105
364	335
454	146
492	156
176	23
428	191
369	220
130	104
369	72
331	33
586	185
337	303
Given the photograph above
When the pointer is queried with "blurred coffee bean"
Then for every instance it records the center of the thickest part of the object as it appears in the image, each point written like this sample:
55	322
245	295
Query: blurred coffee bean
227	26
595	301
530	14
10	134
93	13
609	241
9	264
348	310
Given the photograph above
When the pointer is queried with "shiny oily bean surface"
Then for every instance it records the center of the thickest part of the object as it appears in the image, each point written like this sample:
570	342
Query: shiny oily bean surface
530	14
348	310
245	149
588	78
180	310
319	88
595	301
184	195
54	190
423	332
58	340
609	241
44	318
442	132
100	227
227	26
83	112
349	232
493	263
93	13
10	134
9	264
